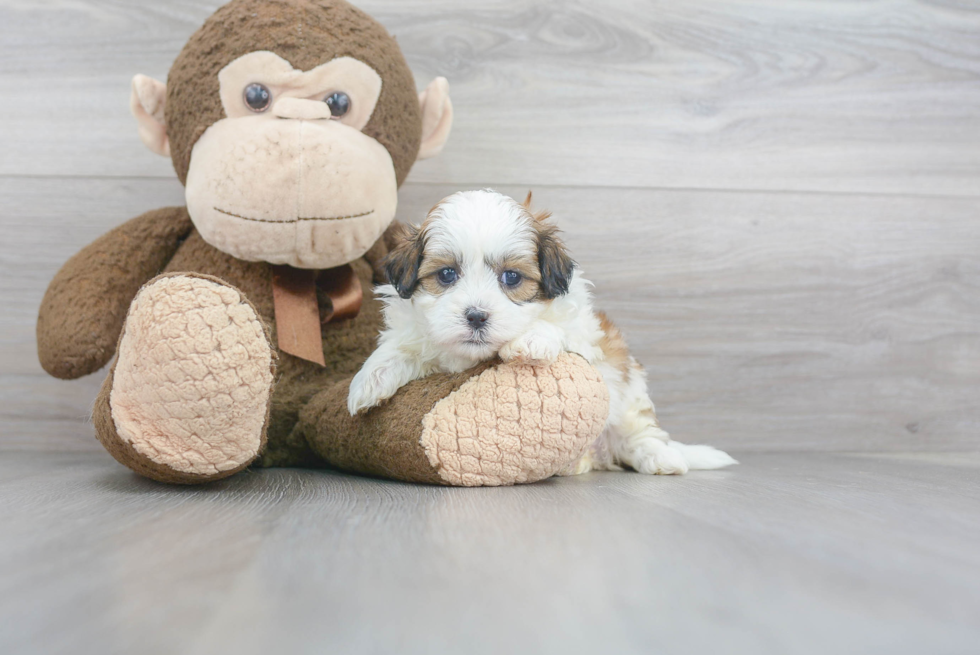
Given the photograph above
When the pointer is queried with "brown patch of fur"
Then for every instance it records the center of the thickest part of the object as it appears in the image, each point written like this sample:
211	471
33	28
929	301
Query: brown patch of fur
545	275
613	346
432	264
530	287
526	266
435	208
402	264
554	262
526	291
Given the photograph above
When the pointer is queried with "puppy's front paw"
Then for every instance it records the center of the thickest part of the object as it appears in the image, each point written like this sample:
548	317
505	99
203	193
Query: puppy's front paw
360	396
369	387
533	349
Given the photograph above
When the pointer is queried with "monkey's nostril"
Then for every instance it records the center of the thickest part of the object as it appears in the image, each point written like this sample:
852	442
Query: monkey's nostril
477	318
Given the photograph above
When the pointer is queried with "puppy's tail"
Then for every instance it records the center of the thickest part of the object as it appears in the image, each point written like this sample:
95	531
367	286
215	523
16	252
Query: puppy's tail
703	457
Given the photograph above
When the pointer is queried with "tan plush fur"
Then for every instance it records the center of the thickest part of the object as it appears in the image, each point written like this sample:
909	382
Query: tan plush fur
194	376
514	424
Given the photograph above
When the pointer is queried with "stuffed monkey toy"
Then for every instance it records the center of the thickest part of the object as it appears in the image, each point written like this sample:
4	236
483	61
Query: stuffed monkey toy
238	321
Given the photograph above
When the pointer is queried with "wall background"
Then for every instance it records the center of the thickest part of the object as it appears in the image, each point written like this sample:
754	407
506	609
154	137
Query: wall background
778	202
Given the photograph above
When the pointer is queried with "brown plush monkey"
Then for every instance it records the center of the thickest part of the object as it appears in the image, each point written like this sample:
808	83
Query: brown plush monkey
239	319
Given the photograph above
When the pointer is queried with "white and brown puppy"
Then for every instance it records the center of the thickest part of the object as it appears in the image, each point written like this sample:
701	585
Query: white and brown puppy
483	276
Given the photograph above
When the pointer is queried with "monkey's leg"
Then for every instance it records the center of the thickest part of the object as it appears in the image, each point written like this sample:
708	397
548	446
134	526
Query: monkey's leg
188	398
498	424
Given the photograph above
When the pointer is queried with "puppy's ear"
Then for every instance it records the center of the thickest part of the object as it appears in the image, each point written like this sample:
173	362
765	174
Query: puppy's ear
402	263
555	263
553	260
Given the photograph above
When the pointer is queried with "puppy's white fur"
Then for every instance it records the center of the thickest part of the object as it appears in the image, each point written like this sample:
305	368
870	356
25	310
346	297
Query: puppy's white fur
481	235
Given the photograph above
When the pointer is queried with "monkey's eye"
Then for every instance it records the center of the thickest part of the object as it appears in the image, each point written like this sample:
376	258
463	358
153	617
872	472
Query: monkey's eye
257	98
339	103
447	276
510	279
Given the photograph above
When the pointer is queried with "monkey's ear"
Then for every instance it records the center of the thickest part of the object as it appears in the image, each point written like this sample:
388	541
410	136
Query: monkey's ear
555	263
147	101
437	117
403	262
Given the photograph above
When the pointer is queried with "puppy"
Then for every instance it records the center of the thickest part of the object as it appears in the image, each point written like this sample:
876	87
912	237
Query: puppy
483	276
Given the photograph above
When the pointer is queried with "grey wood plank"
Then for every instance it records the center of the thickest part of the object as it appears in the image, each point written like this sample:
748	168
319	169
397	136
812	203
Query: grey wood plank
765	320
804	553
833	96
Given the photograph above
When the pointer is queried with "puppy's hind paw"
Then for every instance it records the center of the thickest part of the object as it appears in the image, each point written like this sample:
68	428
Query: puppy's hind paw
703	457
661	462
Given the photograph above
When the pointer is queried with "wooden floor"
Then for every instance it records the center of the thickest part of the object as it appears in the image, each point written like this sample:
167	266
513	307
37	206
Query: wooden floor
779	202
789	553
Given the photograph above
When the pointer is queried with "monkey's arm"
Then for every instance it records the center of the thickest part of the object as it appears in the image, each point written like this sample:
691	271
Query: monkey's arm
85	305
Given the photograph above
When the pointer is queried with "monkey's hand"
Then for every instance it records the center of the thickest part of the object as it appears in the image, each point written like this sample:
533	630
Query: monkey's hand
84	308
539	346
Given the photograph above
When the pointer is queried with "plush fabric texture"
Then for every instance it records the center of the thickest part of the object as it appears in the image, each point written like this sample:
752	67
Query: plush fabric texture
360	82
322	196
83	310
306	33
515	423
494	425
346	344
192	397
385	441
194	376
308	423
125	454
146	102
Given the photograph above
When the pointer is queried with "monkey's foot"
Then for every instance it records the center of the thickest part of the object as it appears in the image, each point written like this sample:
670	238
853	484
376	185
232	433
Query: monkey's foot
494	425
188	398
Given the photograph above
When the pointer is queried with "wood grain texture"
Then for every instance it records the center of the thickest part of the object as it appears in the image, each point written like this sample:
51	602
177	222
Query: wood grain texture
778	203
801	95
785	554
766	320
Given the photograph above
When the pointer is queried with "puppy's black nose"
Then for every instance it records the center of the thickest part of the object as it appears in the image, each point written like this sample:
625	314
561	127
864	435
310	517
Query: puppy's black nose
477	318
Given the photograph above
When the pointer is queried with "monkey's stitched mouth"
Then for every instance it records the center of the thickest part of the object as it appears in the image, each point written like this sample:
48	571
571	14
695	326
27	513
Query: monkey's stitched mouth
295	220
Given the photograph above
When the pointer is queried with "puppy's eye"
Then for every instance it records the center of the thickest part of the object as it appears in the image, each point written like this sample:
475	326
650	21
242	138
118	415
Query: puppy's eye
257	97
339	103
510	278
447	276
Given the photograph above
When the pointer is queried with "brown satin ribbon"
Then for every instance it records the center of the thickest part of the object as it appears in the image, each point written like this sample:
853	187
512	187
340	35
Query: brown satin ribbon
298	312
344	288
